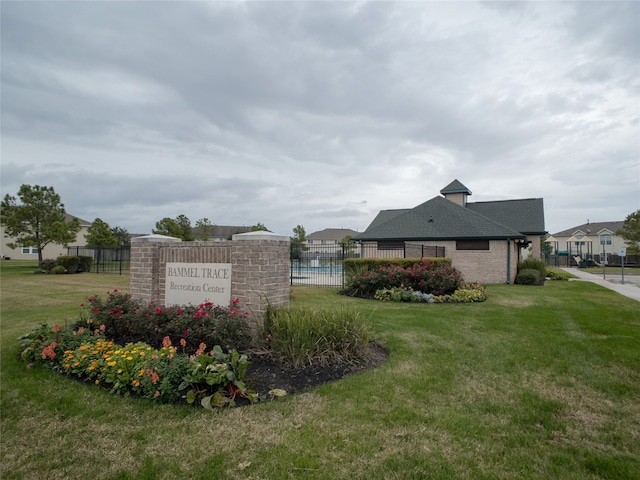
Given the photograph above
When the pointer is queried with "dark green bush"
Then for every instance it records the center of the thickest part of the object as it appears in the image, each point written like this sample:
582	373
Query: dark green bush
47	265
528	276
533	264
85	263
69	262
356	266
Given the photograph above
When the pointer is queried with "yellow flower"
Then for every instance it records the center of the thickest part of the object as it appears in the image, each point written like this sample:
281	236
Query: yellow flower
111	364
129	358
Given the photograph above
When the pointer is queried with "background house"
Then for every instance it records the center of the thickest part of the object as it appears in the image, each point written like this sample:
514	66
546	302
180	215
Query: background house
53	250
484	240
590	241
325	241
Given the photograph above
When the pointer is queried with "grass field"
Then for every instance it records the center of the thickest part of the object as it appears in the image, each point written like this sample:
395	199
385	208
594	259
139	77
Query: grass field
536	382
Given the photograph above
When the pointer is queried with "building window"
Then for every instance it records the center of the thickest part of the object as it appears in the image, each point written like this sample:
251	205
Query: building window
605	239
28	250
310	242
472	244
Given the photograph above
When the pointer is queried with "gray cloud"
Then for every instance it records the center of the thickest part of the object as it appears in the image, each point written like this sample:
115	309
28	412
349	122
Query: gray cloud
320	114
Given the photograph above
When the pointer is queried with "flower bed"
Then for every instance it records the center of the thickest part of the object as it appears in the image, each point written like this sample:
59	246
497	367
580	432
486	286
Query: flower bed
467	293
163	373
425	281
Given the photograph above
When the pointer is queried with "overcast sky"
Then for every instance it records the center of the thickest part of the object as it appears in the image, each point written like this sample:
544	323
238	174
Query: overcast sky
320	114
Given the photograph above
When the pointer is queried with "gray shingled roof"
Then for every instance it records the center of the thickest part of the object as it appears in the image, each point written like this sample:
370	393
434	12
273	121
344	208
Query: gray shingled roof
331	234
436	219
455	187
591	228
524	215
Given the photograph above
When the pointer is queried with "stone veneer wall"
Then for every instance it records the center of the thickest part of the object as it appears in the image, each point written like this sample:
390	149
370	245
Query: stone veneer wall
259	268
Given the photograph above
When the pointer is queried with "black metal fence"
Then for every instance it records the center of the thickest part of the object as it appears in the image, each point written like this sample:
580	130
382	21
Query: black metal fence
588	260
105	259
323	264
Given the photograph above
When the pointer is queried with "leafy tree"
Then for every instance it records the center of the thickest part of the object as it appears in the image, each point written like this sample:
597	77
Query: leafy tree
38	219
259	227
204	229
99	234
179	227
185	227
122	236
168	226
630	231
298	241
545	247
347	244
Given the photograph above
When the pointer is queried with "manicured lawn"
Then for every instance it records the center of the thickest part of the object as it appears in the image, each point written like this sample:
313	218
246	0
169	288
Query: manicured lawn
537	382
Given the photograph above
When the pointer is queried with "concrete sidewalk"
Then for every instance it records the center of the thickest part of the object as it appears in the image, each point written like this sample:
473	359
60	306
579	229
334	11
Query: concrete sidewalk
630	288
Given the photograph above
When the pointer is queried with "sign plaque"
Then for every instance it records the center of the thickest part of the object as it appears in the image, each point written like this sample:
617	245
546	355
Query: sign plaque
196	283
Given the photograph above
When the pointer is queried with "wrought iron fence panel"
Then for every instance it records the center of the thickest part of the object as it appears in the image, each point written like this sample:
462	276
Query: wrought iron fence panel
105	259
323	264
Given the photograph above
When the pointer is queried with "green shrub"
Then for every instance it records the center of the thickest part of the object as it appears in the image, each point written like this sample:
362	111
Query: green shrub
84	265
468	293
559	275
47	265
397	294
69	262
528	277
357	266
58	270
533	264
305	336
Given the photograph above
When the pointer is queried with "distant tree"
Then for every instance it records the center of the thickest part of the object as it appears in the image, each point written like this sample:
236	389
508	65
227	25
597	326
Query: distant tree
259	227
186	229
122	236
204	229
168	226
99	234
347	244
630	231
38	220
545	247
298	241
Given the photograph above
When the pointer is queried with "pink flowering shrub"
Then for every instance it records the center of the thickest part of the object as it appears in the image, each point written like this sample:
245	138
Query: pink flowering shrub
125	319
436	278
